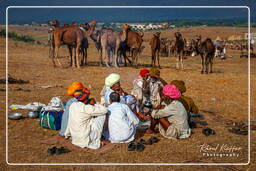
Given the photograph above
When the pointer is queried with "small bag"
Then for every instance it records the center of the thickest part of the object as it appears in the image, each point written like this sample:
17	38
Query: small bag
50	119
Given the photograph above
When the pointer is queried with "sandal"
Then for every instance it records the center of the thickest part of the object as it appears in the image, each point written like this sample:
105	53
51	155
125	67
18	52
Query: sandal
154	140
140	147
238	131
52	150
131	147
208	131
62	150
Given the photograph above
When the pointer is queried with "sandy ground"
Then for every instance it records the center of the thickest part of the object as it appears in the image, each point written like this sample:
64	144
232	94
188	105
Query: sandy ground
222	97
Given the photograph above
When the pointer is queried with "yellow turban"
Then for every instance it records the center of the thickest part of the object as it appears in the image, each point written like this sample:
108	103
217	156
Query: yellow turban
112	79
155	71
180	85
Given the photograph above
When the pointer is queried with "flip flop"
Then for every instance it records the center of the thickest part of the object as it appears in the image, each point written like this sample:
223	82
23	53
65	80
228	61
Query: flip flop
238	131
52	150
140	147
62	150
208	131
154	140
131	147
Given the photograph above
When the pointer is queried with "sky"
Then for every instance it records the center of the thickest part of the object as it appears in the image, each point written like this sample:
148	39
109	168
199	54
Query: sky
67	15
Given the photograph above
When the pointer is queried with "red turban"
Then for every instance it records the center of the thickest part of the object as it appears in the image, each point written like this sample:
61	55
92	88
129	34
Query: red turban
144	72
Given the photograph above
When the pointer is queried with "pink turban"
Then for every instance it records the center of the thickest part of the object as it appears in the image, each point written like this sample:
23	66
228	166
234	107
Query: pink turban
171	91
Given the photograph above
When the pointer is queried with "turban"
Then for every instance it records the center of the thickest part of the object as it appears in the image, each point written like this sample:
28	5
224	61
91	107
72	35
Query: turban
171	91
155	71
74	86
180	85
112	79
144	72
82	94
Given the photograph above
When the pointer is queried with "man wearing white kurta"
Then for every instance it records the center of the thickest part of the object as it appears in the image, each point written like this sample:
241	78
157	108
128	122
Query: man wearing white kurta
122	122
85	124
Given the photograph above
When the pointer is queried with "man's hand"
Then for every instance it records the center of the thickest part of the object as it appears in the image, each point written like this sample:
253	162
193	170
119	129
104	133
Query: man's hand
160	107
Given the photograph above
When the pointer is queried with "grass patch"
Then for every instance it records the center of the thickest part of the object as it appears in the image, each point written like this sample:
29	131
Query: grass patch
15	36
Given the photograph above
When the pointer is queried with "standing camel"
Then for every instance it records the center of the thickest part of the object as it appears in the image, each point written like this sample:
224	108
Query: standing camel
72	36
107	43
206	50
133	40
179	47
155	48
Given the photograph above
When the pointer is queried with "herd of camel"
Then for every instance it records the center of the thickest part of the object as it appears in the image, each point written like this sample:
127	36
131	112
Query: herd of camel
113	46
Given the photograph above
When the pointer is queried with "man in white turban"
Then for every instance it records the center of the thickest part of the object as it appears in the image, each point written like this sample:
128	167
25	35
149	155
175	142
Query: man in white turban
112	84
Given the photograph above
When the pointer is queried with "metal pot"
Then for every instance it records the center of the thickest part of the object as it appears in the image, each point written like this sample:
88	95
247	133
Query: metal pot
32	114
15	116
148	104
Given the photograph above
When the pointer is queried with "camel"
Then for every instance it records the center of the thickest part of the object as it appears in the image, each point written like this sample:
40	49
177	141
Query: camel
206	50
155	48
179	48
107	43
133	41
73	37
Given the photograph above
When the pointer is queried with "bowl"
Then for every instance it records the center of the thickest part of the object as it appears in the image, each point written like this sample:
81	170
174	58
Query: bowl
32	114
15	116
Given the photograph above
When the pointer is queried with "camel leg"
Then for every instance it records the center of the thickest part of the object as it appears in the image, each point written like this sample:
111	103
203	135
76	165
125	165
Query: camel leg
202	66
207	64
177	62
105	58
211	62
100	57
56	56
181	61
115	55
77	56
152	58
73	60
137	57
158	59
82	60
70	54
85	56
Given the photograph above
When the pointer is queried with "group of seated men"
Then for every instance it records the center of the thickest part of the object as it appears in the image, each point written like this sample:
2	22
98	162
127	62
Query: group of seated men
116	117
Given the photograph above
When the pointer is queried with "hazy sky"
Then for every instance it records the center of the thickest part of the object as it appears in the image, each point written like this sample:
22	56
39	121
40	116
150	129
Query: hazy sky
42	15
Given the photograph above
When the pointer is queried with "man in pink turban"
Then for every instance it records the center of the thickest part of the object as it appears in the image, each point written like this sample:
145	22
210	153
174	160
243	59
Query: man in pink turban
171	115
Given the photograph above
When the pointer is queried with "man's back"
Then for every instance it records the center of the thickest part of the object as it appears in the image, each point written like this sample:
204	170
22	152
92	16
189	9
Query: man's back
122	122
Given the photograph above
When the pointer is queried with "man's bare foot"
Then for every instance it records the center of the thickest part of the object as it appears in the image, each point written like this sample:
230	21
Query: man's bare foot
146	117
150	132
104	142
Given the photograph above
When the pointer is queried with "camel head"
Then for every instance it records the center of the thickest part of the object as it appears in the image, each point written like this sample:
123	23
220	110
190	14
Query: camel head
178	35
54	23
85	26
198	37
141	34
125	27
91	28
157	34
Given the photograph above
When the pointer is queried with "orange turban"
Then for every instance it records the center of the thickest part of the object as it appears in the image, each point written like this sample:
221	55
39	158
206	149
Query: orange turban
73	87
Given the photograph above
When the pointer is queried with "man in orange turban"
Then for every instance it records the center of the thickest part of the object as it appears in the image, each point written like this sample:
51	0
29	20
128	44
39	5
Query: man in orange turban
71	92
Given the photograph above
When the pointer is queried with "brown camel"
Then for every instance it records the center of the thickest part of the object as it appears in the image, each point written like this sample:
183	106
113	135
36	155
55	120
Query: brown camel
73	37
133	41
206	50
107	43
155	48
179	48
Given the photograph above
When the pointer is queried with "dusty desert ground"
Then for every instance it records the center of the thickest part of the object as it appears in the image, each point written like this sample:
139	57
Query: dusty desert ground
222	98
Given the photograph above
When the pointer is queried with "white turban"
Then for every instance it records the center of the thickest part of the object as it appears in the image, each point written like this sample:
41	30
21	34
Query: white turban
112	79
